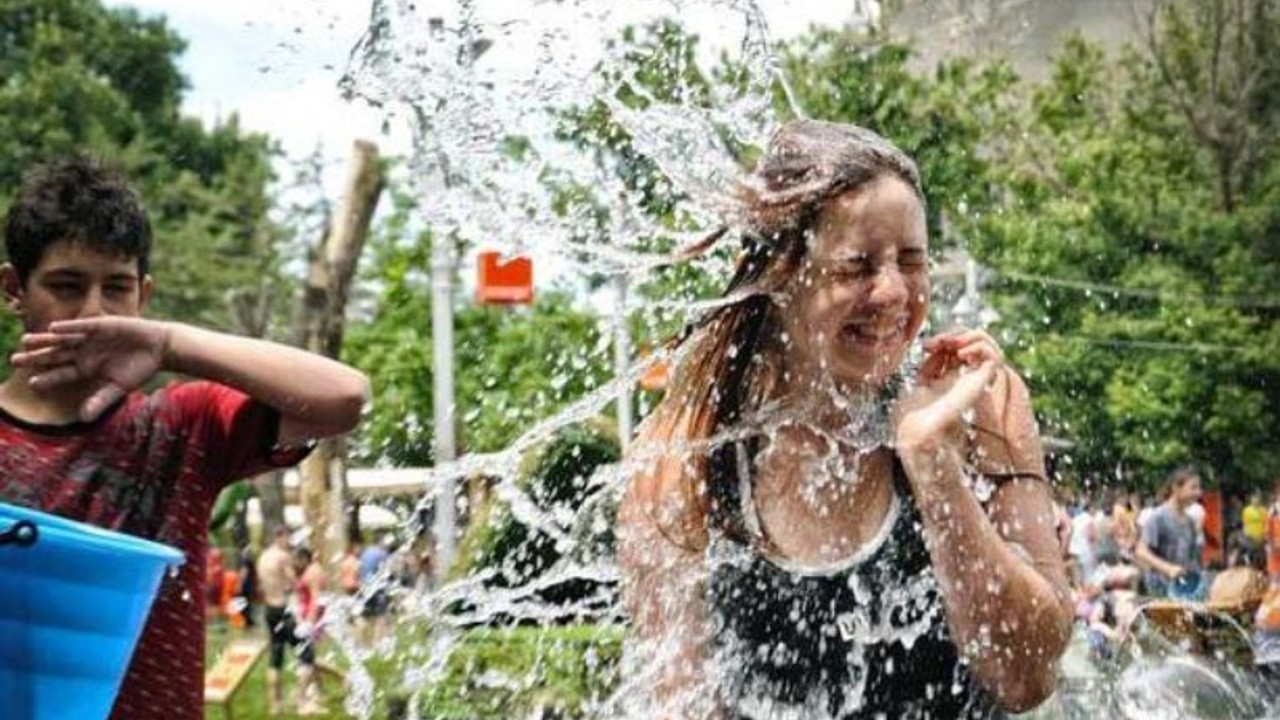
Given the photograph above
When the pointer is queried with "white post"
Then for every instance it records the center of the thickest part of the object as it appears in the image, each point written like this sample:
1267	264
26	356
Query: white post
966	310
442	267
622	360
971	279
443	447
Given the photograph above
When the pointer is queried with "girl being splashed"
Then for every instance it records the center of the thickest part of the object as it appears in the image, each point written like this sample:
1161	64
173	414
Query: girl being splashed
812	532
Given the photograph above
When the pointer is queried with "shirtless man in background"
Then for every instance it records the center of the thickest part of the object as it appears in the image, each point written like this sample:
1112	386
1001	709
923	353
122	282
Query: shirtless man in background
276	578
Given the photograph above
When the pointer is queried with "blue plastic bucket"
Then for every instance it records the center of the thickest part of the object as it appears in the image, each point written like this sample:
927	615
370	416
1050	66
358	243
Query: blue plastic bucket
73	601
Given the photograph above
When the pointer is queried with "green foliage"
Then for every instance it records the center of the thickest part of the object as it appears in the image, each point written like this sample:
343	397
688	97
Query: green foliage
556	478
941	121
659	65
522	672
512	366
79	77
565	670
572	667
1145	189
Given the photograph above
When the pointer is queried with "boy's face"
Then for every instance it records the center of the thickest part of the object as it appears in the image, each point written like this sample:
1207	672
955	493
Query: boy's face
74	281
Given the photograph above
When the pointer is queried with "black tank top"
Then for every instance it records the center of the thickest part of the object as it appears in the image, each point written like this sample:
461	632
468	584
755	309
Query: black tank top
867	639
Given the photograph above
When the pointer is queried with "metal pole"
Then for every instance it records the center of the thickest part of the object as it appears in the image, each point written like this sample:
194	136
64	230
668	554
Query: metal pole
966	310
442	267
443	446
622	360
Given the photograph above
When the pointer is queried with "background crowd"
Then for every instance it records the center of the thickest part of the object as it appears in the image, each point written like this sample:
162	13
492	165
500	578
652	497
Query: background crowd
285	594
1127	550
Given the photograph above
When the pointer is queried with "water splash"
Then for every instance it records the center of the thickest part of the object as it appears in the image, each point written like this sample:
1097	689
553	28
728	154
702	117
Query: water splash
488	115
514	107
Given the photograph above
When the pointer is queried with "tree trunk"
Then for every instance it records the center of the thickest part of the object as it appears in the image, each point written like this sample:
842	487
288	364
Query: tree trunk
270	490
251	310
321	326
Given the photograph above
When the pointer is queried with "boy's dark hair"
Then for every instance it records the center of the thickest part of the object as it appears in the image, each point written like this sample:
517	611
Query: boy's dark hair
80	199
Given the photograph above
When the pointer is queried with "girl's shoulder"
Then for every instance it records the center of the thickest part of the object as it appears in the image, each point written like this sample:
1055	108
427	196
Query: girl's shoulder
666	486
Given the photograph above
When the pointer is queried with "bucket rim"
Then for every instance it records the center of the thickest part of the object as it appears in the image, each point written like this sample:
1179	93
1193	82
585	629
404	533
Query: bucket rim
92	536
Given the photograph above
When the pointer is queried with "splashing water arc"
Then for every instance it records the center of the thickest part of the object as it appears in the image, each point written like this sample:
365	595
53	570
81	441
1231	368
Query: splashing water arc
489	91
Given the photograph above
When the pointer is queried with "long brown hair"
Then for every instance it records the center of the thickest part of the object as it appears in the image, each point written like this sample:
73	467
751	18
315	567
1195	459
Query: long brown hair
730	356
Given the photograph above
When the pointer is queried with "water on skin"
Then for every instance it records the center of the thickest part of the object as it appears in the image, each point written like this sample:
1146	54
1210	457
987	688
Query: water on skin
466	87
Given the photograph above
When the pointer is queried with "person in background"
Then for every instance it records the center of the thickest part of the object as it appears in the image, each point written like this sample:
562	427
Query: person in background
1111	570
1114	583
349	569
1271	543
376	590
214	568
1169	550
1136	503
1267	619
1196	512
1124	525
375	556
405	566
1109	622
309	609
1062	528
81	437
247	593
276	578
1148	508
1253	523
1080	543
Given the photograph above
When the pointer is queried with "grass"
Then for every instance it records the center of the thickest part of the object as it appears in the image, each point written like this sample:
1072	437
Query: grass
492	673
250	701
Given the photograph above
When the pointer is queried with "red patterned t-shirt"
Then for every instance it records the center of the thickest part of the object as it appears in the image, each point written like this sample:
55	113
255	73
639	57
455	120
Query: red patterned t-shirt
151	466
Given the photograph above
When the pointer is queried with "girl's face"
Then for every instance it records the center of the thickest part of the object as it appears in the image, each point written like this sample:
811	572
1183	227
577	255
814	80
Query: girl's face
862	294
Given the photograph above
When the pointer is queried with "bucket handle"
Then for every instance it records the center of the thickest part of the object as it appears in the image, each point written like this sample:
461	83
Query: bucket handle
23	533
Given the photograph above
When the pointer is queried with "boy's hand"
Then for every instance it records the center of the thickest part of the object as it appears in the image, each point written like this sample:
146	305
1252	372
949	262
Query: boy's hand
114	355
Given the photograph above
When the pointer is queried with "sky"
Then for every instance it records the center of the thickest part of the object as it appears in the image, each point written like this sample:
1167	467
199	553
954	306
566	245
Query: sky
277	62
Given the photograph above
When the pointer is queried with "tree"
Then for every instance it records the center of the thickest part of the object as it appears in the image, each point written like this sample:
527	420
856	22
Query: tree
79	77
321	327
1137	248
942	121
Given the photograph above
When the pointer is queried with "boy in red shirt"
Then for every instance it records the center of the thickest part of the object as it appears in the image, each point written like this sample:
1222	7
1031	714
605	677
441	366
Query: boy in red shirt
78	438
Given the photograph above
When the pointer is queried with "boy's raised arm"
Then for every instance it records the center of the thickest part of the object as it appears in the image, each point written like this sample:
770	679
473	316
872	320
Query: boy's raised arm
315	396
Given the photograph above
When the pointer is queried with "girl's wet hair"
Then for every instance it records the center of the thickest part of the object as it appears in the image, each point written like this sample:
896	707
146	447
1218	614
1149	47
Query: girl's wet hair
726	372
809	162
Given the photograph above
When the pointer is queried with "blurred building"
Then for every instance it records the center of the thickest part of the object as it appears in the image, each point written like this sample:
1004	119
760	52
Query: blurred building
1027	32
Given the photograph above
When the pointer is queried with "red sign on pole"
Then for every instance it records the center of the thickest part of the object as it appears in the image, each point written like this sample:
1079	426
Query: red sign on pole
504	283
